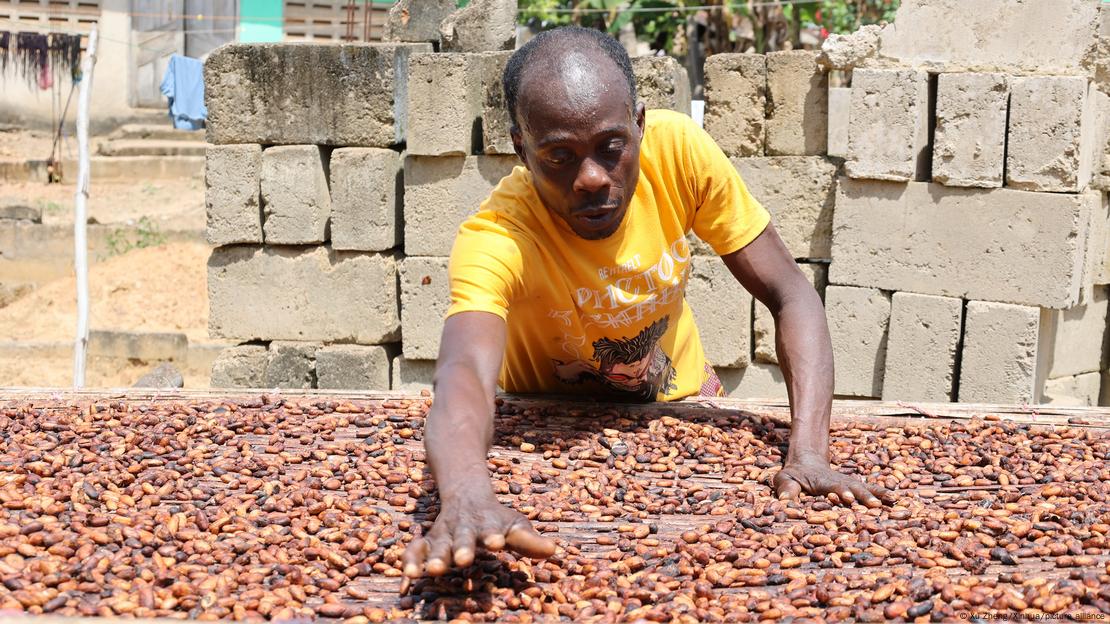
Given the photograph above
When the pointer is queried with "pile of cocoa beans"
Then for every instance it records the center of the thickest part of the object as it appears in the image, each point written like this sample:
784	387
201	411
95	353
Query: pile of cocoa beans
279	508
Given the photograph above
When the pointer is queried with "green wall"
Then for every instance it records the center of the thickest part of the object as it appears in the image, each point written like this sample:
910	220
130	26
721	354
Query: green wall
260	21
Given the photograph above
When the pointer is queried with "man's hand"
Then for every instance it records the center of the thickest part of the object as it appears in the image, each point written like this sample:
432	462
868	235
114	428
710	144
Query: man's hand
462	526
812	474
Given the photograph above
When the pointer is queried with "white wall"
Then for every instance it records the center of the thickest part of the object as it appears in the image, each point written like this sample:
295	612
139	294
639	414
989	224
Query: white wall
111	88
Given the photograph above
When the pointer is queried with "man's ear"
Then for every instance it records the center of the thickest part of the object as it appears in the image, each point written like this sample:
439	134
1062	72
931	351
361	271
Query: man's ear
518	144
641	118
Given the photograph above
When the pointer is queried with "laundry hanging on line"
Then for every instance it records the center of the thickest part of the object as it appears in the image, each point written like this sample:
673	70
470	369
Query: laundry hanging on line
183	85
38	57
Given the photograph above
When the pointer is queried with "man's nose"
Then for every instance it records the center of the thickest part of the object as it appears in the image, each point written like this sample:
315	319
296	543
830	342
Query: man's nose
591	178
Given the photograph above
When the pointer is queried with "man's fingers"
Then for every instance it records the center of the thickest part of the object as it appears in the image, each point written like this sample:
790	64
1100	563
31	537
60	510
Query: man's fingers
493	540
881	493
464	547
523	539
413	558
847	495
439	556
788	489
866	496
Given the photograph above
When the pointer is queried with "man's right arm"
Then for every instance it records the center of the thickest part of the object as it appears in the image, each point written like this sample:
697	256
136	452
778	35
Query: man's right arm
457	437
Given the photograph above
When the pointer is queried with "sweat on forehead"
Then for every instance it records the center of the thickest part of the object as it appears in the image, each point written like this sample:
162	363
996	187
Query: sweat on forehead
568	62
579	83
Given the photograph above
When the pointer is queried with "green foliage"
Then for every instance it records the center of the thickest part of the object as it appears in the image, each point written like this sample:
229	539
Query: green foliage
51	207
845	16
147	234
664	20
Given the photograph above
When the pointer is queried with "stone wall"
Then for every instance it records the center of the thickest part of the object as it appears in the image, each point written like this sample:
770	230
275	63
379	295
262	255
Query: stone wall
948	209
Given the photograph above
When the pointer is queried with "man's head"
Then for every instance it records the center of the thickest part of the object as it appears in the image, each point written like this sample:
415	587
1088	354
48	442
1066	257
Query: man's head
577	126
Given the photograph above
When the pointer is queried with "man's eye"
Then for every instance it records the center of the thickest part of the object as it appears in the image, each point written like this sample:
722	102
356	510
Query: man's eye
558	159
613	147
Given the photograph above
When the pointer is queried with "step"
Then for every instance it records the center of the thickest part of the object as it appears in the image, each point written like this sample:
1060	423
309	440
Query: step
151	147
160	132
107	168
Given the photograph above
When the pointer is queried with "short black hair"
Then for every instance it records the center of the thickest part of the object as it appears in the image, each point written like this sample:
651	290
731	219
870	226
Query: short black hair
551	41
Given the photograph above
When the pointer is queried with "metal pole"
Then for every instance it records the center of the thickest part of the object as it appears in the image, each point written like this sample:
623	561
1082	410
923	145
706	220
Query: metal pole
80	215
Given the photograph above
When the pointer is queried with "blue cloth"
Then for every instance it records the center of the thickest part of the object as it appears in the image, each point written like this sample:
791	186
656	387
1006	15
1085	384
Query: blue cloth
183	84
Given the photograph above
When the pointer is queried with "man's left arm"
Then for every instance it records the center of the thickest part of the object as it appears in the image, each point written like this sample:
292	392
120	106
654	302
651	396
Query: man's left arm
767	270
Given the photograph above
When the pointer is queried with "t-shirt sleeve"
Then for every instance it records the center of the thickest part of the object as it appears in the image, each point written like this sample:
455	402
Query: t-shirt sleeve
726	216
485	267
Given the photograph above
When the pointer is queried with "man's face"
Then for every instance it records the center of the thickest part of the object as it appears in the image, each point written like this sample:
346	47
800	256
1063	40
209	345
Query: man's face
580	137
630	375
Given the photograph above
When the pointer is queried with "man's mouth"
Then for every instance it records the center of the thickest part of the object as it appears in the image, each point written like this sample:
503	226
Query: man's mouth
597	216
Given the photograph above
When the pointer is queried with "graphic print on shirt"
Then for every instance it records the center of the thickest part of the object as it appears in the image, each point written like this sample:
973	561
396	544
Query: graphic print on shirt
635	366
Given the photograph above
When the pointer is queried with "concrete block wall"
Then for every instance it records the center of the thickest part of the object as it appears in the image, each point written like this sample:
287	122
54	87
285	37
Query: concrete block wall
334	195
970	197
951	213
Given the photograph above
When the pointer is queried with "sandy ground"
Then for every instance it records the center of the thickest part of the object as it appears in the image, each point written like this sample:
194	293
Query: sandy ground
57	372
156	289
153	289
170	204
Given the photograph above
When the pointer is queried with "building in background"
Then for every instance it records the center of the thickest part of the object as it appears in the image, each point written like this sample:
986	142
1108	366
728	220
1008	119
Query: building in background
137	38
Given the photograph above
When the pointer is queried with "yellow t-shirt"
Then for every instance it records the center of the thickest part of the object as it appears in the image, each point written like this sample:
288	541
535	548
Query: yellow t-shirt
606	316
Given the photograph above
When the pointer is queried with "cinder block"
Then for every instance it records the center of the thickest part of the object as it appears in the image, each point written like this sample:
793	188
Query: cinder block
722	311
440	193
1014	37
840	106
858	321
243	366
367	190
763	325
349	95
425	297
888	127
352	367
995	245
999	359
735	99
1071	340
661	82
1046	125
480	26
445	104
1093	135
969	143
417	20
413	375
1098	247
922	347
307	294
757	381
295	198
495	114
799	192
797	104
232	179
291	365
1075	391
1099	105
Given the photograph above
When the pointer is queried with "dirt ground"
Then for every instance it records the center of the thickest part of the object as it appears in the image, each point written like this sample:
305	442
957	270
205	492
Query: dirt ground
170	204
153	289
156	289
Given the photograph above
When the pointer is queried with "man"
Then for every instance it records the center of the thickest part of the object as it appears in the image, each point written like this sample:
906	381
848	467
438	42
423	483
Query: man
571	279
